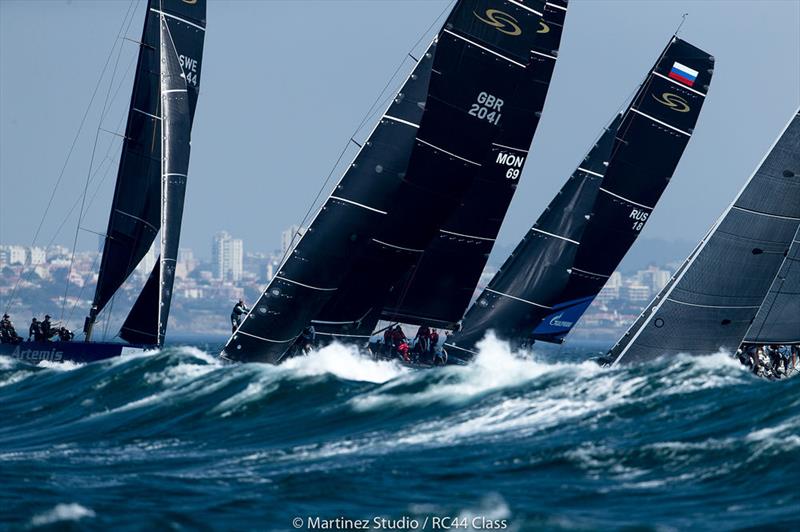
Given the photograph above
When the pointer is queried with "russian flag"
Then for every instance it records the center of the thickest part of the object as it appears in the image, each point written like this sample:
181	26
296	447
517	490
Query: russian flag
683	73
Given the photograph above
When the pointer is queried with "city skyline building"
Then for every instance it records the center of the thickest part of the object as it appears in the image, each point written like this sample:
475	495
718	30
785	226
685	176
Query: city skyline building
227	257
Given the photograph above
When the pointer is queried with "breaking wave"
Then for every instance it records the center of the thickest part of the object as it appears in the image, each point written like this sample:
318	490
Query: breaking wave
545	439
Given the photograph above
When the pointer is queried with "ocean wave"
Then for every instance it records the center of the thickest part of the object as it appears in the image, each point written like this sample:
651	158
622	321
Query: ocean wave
62	512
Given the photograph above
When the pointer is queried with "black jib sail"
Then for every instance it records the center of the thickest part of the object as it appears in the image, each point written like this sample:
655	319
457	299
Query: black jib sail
138	210
713	299
778	319
565	259
147	321
422	154
438	290
483	80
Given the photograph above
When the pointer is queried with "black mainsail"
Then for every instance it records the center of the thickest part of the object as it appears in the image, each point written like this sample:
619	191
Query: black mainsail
407	177
438	290
561	265
484	83
778	319
716	295
152	174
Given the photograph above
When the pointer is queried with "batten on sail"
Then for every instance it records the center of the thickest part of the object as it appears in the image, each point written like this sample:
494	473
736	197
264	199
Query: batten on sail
713	299
560	266
171	50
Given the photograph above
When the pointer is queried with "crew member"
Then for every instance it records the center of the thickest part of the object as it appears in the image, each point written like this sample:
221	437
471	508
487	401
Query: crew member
237	315
35	330
46	328
8	335
423	338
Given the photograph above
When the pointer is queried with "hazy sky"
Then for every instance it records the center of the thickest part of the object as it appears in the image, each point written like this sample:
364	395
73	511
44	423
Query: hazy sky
285	83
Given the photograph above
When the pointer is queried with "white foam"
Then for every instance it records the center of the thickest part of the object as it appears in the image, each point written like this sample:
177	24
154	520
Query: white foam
62	512
345	362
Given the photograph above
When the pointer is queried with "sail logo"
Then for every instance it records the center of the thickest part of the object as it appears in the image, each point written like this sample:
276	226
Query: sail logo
190	2
558	322
189	66
502	22
544	27
673	101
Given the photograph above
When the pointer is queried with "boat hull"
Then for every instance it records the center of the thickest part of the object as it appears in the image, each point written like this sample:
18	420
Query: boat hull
81	352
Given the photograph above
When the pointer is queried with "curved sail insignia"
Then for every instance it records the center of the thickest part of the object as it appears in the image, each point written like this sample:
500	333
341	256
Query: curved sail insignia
562	264
136	210
438	290
147	320
481	74
713	299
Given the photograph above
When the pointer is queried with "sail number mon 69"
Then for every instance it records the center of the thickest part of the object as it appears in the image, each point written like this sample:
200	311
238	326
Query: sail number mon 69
487	107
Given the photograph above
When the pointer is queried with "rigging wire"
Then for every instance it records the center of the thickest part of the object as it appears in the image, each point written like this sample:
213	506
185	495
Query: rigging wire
103	113
69	153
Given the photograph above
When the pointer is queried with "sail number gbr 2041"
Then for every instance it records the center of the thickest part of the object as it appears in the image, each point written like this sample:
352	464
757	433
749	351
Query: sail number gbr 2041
487	107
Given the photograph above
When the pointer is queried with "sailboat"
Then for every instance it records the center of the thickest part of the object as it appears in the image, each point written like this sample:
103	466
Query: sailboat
740	277
438	136
150	186
565	259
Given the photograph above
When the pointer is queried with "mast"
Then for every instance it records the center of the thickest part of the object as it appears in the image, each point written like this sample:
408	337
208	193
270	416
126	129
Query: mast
437	291
482	78
713	299
554	274
137	207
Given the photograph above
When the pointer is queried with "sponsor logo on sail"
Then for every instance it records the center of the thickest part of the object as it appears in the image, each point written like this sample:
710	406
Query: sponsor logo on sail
558	322
501	21
673	101
190	2
544	28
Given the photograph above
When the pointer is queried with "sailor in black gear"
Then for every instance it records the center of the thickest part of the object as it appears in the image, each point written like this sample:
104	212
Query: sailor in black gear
46	328
237	315
34	331
64	334
8	335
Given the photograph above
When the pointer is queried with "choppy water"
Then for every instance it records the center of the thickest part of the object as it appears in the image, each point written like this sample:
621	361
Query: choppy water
175	439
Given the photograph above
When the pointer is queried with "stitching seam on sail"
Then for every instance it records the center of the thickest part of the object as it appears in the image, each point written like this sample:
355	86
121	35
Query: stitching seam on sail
148	224
681	85
590	172
467	236
518	298
509	147
304	285
264	339
406	122
339	335
710	306
358	204
656	120
751	211
170	15
146	113
398	247
323	322
501	56
447	152
524	7
626	199
555	236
